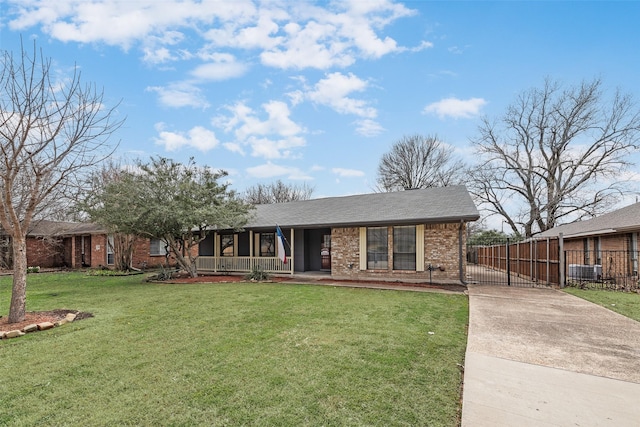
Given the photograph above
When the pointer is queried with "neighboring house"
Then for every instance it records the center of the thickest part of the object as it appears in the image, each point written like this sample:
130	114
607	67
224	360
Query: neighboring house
55	244
606	245
413	235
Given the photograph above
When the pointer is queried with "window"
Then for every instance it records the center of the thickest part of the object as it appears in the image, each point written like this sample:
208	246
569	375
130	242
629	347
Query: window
110	260
404	248
226	245
267	244
157	247
598	251
377	248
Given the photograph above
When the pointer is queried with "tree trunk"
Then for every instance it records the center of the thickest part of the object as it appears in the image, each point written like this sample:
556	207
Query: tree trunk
19	291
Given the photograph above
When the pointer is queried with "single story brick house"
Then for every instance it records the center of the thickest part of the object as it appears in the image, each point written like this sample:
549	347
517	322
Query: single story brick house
413	235
609	243
56	244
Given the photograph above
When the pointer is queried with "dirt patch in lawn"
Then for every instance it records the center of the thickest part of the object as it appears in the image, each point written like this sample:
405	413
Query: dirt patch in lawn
35	317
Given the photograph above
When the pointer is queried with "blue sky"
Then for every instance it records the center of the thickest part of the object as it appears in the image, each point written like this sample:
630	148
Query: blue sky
316	92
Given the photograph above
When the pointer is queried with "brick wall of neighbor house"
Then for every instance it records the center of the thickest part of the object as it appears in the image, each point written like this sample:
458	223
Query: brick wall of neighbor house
615	256
613	242
44	253
142	257
441	250
98	248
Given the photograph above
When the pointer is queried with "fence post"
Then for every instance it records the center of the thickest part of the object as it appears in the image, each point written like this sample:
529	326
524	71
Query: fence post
561	265
548	262
508	264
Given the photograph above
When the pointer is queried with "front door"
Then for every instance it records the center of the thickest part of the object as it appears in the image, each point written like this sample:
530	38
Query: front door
325	252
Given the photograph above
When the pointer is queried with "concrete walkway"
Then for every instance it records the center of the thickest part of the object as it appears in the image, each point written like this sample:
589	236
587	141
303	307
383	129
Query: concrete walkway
541	357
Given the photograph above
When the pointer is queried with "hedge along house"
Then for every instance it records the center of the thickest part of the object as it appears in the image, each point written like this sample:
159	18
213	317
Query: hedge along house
413	235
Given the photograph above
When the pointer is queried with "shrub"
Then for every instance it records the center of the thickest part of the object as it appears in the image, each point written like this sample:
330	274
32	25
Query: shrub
34	269
257	274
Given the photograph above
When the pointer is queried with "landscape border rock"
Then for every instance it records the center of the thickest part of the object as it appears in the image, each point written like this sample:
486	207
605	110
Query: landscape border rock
63	316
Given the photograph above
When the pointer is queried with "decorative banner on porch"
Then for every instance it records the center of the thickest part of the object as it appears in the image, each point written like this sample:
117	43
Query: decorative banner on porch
281	252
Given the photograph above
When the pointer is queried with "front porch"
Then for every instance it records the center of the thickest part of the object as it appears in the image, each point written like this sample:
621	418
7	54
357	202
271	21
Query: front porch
244	251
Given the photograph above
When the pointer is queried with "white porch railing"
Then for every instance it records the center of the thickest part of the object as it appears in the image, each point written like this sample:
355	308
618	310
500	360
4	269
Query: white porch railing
242	264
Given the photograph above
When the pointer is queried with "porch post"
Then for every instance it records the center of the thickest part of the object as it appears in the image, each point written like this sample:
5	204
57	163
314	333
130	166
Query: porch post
291	246
251	243
216	249
561	266
73	251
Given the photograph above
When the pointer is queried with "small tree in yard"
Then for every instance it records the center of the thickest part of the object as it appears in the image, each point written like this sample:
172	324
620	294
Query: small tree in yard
176	203
118	222
51	133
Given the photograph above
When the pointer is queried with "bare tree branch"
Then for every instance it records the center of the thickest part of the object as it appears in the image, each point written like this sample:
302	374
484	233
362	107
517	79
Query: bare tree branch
277	192
556	155
417	161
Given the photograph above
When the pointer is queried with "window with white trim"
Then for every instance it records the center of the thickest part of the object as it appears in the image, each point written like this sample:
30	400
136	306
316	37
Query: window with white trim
110	245
157	247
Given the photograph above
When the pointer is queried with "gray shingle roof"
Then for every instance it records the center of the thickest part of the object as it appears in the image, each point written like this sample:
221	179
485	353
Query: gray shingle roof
622	220
62	228
432	205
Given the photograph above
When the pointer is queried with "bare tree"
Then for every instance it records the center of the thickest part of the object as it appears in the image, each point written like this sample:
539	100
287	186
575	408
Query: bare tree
418	161
277	192
557	155
51	133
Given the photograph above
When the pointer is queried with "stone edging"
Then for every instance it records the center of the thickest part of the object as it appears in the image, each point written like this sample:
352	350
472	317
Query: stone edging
70	317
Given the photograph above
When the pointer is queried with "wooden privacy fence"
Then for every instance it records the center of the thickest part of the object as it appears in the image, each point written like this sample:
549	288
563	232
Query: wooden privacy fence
527	263
544	262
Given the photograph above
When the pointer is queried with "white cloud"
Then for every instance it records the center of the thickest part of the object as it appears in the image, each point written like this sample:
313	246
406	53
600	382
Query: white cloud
456	108
198	137
276	136
181	94
271	170
369	128
284	34
334	92
422	46
347	173
219	67
121	22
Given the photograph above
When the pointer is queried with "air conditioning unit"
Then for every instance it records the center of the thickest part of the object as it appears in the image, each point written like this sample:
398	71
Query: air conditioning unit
585	272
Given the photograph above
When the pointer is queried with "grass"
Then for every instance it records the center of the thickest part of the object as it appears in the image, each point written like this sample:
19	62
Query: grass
625	303
233	354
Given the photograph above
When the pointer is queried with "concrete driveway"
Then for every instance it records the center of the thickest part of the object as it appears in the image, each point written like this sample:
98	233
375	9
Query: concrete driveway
541	357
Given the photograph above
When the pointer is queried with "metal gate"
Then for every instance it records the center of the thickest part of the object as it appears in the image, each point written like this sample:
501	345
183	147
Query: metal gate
530	263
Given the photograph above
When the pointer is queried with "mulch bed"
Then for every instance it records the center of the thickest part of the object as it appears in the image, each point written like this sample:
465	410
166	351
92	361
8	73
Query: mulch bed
230	278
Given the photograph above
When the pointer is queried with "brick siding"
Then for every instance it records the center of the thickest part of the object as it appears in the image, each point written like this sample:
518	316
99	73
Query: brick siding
441	248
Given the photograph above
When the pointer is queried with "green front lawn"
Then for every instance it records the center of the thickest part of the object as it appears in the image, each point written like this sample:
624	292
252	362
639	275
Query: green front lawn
625	303
233	354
